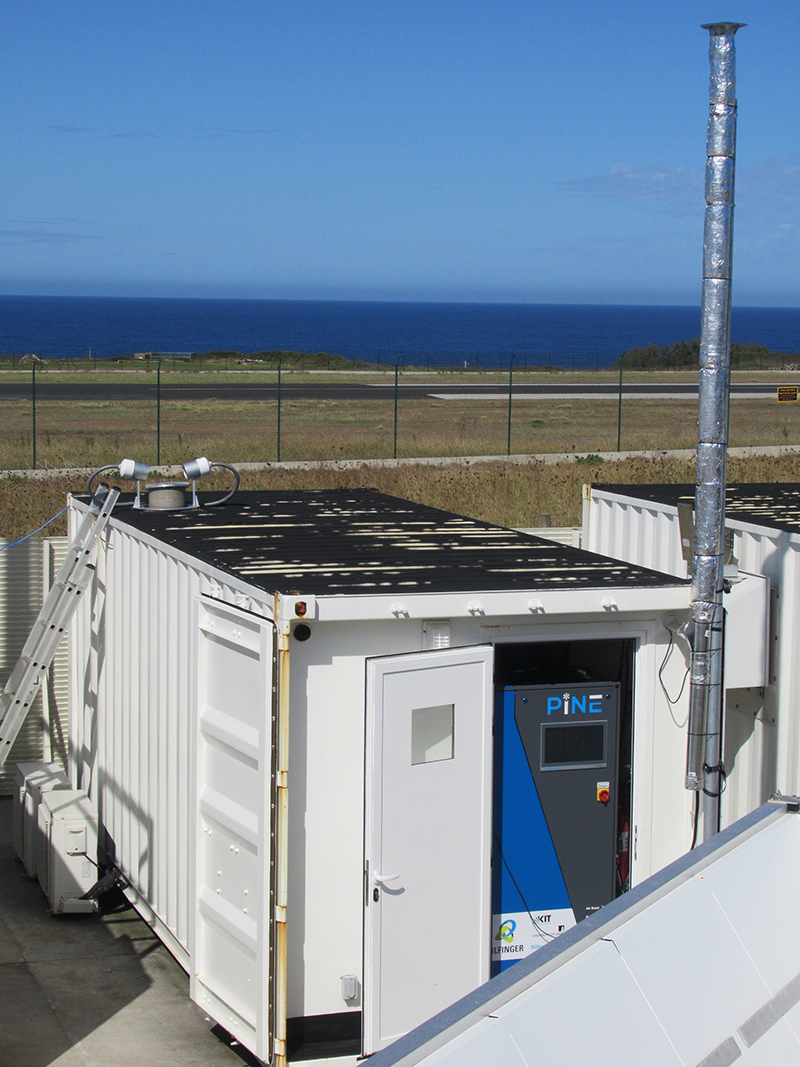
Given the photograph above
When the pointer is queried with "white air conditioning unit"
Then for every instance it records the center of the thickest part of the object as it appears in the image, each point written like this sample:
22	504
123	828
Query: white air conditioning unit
31	781
67	860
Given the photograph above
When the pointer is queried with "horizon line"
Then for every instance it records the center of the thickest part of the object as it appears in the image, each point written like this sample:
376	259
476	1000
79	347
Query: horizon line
384	300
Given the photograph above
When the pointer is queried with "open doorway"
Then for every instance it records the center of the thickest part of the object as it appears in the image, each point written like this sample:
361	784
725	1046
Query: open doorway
563	733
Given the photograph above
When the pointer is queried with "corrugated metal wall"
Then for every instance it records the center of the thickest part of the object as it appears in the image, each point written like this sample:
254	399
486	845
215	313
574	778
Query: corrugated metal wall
762	725
642	533
132	728
25	572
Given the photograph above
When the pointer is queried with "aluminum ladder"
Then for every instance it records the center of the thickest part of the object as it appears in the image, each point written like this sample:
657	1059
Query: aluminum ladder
59	606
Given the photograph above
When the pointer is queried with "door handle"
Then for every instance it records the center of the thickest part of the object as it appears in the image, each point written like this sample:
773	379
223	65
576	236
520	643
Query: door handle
385	877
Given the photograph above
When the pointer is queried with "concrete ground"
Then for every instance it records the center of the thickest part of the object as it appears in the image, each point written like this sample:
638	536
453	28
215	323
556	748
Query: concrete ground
92	991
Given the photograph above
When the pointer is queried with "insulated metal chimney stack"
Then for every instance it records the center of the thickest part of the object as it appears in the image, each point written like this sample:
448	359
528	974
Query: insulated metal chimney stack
705	703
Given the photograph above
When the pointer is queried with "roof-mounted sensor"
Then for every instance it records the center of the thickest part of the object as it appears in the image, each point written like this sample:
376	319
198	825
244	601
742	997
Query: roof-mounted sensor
166	496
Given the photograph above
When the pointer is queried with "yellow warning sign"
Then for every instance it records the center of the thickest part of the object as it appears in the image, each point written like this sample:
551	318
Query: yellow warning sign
787	394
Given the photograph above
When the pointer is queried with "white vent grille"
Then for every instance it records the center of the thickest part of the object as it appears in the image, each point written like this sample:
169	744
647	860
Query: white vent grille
20	602
436	633
24	570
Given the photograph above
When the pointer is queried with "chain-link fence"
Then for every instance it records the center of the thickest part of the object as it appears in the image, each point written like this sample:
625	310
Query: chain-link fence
82	414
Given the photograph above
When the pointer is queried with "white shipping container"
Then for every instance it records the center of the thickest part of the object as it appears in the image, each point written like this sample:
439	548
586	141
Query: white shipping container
228	669
640	524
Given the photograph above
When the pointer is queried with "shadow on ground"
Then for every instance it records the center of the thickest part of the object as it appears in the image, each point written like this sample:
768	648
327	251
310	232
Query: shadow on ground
84	991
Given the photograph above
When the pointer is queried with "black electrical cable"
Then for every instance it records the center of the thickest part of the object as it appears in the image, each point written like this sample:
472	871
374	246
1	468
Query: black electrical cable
696	820
107	880
663	665
723	777
536	925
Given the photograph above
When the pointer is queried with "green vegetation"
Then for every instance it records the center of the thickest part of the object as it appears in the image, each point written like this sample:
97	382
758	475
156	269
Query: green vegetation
284	359
510	493
214	360
685	355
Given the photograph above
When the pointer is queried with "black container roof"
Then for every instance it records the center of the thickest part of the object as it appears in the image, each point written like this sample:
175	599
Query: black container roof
775	505
363	542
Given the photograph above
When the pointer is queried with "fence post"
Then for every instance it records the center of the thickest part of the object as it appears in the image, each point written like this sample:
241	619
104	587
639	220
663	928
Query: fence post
279	411
33	412
619	411
158	414
396	372
510	387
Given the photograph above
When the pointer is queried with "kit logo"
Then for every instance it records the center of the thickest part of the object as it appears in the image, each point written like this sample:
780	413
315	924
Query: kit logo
571	704
506	931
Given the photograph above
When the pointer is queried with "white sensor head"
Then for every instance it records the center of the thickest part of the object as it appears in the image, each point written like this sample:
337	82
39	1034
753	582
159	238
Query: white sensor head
196	468
129	468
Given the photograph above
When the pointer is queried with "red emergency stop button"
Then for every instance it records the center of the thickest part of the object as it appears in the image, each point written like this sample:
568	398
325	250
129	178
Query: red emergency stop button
603	794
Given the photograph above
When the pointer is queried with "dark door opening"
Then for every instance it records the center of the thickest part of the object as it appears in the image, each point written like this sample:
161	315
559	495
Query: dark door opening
562	787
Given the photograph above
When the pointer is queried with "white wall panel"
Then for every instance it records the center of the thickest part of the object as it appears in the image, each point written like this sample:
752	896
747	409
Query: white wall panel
133	722
637	532
326	807
326	811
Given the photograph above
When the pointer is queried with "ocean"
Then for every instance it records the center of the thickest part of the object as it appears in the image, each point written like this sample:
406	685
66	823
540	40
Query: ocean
427	334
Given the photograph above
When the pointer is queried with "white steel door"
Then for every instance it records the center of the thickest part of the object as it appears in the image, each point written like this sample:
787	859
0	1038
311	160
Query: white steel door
427	836
231	968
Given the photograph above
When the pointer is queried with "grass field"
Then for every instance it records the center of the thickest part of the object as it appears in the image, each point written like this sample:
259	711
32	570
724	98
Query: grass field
121	373
88	434
509	493
83	434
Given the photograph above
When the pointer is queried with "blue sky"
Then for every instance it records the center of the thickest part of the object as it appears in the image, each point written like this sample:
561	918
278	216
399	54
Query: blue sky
445	150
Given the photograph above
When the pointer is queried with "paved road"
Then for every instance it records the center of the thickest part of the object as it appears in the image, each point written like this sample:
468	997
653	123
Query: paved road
111	391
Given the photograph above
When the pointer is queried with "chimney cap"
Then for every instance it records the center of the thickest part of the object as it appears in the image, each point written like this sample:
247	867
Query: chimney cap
718	29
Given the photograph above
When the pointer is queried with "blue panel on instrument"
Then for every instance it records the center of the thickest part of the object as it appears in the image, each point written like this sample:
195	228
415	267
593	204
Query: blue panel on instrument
525	871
